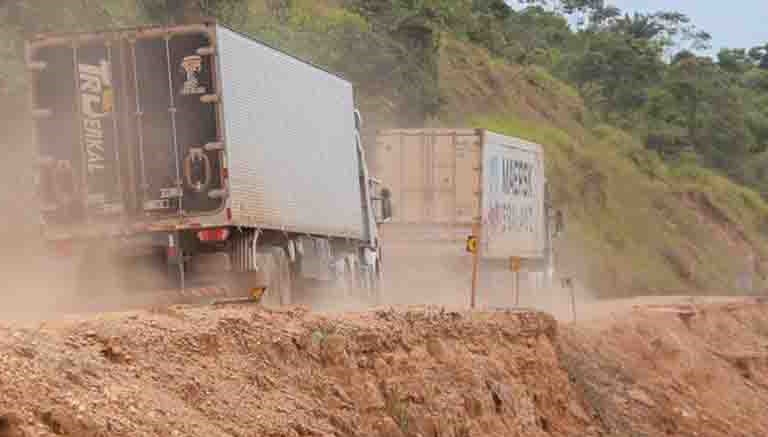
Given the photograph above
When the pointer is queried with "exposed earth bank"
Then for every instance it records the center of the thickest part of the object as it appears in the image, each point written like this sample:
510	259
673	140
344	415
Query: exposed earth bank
421	371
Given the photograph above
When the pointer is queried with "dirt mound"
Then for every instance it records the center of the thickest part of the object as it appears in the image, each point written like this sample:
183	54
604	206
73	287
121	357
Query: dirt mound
684	370
246	371
691	372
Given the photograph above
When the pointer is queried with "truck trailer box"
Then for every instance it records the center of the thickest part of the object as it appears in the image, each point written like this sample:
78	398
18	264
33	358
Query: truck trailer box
447	183
165	128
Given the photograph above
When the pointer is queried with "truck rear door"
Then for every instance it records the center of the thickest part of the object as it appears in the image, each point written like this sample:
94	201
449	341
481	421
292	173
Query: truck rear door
432	175
127	125
178	150
78	134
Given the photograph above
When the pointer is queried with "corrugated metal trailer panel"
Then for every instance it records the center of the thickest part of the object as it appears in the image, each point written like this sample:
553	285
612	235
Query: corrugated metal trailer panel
289	131
434	176
287	127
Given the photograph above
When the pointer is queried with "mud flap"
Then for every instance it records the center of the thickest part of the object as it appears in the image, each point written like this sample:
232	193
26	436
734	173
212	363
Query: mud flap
248	285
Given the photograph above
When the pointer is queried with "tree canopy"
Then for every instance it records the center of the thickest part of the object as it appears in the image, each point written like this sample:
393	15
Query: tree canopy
640	71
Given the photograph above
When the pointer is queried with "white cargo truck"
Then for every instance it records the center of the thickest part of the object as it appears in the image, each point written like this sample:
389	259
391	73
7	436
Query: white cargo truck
233	166
454	191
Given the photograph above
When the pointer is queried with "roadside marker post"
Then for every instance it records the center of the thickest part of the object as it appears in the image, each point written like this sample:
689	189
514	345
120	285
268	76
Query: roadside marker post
514	265
473	247
568	283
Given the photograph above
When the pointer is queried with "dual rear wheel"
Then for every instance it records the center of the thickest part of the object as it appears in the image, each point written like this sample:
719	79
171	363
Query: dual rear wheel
104	277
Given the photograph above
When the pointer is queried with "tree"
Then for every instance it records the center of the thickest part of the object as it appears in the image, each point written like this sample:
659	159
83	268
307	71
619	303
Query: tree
725	127
690	80
531	35
759	56
592	13
715	110
164	10
734	60
640	26
498	9
622	68
180	11
666	28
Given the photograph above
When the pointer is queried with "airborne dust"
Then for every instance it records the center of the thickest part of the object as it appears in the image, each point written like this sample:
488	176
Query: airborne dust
39	281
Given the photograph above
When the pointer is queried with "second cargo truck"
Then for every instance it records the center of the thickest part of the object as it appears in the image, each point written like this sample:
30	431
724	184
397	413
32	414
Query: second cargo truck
459	190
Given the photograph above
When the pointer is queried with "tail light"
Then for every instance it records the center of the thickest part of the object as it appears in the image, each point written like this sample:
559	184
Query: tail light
171	252
212	235
62	248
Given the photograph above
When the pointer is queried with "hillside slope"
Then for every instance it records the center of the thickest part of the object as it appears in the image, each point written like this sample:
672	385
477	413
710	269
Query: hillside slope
636	225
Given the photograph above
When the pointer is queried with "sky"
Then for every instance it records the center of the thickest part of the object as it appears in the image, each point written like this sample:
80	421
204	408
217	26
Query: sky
734	23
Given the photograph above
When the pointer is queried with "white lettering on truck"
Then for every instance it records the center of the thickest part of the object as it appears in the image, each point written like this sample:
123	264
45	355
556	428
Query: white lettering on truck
95	104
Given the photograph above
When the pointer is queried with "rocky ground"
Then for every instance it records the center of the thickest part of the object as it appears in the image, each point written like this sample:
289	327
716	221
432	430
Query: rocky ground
695	371
419	371
245	371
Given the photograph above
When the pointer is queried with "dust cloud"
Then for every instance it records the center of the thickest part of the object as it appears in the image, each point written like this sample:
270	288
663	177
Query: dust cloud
37	283
33	286
440	273
30	286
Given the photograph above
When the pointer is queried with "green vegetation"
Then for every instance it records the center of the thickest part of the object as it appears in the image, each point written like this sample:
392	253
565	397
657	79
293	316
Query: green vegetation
657	154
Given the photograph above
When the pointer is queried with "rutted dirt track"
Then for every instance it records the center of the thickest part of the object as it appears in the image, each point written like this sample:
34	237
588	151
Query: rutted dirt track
248	371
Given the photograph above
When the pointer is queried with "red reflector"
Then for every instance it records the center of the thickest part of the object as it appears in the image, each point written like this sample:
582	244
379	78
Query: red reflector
62	248
172	252
219	234
229	214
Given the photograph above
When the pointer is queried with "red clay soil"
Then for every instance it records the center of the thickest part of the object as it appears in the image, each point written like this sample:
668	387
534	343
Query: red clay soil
650	373
246	371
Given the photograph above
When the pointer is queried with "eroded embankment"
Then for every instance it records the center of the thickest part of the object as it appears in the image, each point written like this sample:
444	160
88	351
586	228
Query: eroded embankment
248	371
244	371
701	371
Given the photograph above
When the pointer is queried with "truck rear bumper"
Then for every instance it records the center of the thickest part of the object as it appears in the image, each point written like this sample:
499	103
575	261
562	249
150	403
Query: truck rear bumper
129	228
